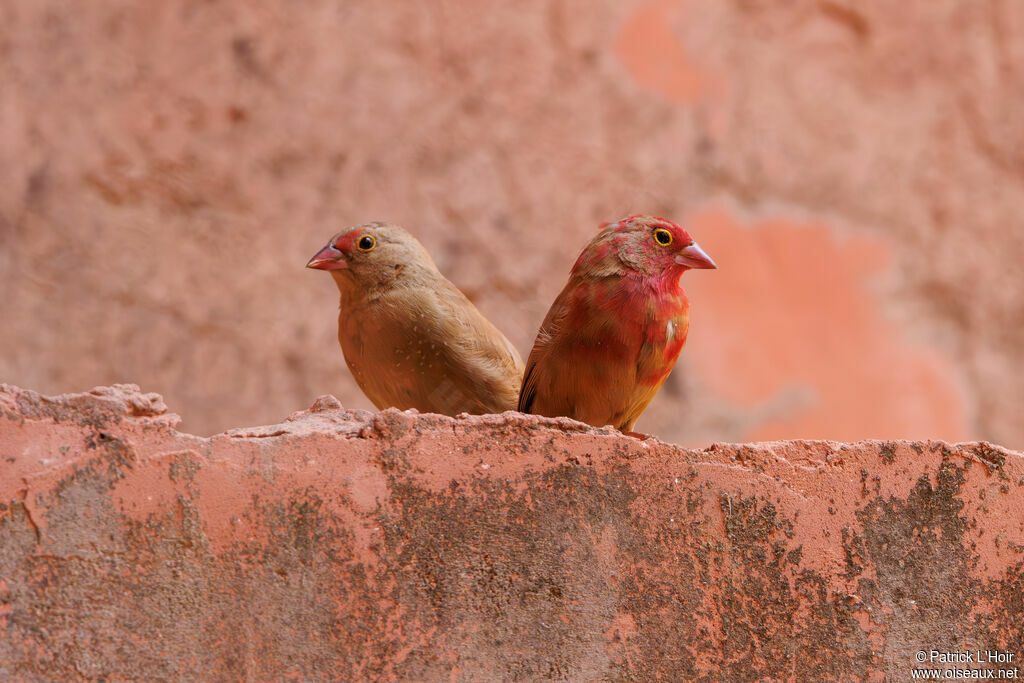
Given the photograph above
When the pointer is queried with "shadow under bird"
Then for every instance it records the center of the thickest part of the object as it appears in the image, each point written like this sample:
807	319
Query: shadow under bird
612	336
410	338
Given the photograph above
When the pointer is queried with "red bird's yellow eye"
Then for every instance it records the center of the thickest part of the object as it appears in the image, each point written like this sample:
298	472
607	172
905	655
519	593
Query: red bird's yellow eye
662	236
366	243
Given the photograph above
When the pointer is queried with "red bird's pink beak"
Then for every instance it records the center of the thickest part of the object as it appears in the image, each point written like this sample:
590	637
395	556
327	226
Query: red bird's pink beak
328	258
692	256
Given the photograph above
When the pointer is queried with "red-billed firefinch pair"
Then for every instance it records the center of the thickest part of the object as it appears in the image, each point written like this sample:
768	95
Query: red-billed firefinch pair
609	341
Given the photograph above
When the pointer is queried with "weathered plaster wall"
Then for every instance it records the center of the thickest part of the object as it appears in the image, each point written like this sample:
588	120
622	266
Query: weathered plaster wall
855	168
341	543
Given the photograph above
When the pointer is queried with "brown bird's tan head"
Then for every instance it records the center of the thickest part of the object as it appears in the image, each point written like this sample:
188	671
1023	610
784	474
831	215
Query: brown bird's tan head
373	255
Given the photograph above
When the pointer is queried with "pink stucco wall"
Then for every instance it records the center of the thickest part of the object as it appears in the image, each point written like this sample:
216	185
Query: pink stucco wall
345	544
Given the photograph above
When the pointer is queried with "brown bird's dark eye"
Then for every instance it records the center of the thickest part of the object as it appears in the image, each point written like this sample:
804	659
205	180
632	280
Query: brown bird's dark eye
366	243
662	237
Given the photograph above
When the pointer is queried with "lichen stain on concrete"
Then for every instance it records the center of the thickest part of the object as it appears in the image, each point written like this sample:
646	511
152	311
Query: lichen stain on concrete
347	544
926	588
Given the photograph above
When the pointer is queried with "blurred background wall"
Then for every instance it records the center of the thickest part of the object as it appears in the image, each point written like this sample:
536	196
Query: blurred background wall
855	168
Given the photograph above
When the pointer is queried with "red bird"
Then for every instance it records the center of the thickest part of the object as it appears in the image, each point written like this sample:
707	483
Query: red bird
612	336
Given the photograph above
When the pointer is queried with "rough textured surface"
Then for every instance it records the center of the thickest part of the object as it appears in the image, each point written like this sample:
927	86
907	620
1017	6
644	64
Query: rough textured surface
342	543
856	169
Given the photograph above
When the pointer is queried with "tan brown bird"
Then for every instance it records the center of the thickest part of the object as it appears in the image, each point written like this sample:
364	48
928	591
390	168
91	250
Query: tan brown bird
410	338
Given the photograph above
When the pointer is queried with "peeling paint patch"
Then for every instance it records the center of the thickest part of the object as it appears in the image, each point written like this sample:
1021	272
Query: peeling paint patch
766	337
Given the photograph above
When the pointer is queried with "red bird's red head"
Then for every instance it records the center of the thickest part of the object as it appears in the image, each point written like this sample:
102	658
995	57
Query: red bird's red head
647	245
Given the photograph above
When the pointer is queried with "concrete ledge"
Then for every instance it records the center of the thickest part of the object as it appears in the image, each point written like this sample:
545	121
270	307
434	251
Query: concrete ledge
347	544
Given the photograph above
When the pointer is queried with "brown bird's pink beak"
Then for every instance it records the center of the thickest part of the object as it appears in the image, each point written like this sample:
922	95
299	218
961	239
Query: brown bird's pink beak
328	258
692	256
